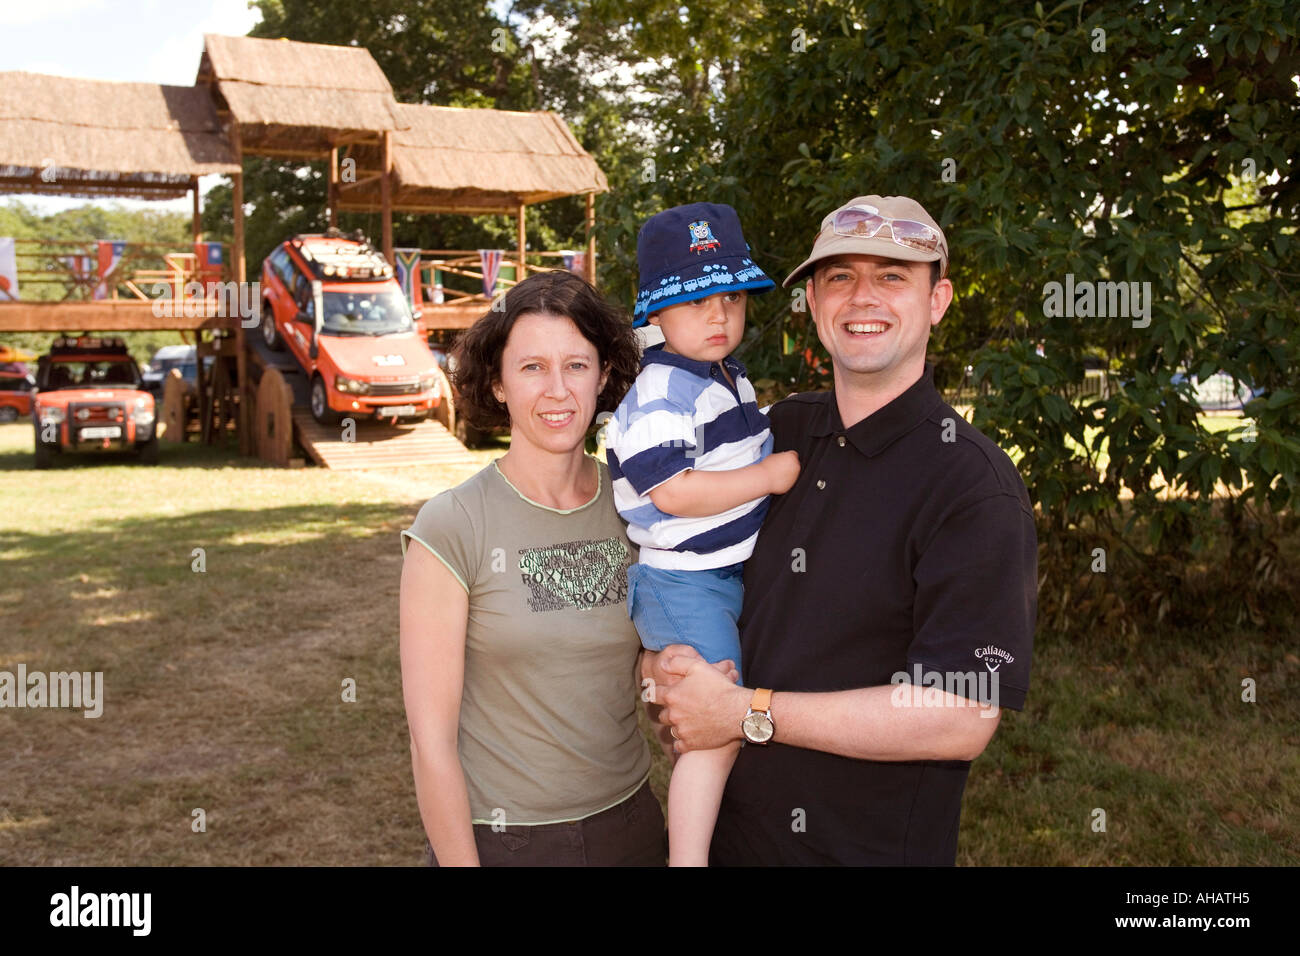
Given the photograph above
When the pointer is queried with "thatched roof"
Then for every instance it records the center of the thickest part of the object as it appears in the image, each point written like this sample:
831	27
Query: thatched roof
297	99
476	161
96	138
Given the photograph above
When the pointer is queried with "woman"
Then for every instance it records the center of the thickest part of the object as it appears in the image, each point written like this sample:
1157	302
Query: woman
520	667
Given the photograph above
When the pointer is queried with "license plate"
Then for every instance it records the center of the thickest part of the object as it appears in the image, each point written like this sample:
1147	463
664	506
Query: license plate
109	431
389	411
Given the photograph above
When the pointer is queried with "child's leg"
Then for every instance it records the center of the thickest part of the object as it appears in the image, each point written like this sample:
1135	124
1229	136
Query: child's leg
694	795
699	608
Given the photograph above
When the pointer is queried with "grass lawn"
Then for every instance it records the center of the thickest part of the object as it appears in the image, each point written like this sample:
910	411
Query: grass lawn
223	689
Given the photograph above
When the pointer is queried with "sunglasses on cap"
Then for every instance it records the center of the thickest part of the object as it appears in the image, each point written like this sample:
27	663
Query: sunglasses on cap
864	222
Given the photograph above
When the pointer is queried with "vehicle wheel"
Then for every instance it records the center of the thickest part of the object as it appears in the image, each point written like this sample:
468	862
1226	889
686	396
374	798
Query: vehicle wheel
44	457
8	413
269	334
148	452
320	406
468	435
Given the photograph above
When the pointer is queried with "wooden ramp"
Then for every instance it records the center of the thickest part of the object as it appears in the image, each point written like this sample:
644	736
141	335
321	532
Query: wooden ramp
378	446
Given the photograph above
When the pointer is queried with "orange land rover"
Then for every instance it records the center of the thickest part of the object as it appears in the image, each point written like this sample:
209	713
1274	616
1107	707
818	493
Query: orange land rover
15	393
90	398
333	302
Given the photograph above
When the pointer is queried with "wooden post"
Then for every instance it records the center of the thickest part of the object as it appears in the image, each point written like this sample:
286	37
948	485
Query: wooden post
591	238
241	276
202	385
237	187
332	196
386	194
522	272
196	225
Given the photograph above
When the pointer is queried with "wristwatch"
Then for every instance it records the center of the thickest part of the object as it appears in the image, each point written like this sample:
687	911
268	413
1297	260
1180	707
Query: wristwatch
758	726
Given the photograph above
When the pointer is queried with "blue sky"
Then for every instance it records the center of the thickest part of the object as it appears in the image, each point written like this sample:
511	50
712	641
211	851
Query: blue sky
143	41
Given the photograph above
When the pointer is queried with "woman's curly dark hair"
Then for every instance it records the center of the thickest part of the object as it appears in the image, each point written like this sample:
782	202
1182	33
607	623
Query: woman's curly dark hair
477	353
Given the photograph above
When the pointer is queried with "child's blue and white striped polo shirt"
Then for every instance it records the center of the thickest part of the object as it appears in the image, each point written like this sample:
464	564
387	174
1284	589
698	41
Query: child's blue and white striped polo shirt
680	414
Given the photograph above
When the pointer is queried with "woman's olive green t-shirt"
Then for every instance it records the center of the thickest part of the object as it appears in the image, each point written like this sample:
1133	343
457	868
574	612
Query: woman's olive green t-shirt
548	723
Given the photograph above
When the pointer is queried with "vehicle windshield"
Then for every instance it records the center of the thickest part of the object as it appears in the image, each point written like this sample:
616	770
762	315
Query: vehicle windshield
367	313
96	374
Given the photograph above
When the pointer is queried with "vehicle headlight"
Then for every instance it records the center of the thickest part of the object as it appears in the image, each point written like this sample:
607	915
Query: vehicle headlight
428	382
144	411
53	415
351	385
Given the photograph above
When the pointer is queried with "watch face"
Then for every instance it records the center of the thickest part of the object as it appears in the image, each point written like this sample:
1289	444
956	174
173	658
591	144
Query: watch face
758	728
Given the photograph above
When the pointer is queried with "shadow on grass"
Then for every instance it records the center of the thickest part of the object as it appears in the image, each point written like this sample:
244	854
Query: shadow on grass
19	455
222	688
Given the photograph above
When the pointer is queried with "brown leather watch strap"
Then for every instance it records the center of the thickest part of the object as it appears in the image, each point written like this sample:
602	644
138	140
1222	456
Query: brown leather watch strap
762	700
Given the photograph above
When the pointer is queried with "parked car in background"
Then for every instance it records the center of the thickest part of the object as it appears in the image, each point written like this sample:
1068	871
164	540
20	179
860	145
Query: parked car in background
16	386
182	357
91	398
1219	392
363	355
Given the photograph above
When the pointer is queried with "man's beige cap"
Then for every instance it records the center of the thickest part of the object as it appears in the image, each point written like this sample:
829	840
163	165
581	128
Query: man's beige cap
829	244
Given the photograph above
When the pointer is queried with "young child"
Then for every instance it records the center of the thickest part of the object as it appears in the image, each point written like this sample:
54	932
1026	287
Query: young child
690	457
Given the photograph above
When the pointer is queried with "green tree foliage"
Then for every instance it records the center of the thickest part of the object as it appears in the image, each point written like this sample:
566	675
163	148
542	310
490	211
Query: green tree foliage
1149	143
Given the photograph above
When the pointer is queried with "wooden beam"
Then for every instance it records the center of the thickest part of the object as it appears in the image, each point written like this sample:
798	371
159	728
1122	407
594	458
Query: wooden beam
522	272
453	316
591	238
106	315
386	195
332	191
196	224
347	205
373	177
93	188
241	276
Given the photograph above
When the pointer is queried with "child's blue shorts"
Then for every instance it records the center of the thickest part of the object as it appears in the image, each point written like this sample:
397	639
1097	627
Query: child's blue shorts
699	608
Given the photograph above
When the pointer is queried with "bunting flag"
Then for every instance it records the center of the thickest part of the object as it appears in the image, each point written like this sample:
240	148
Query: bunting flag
567	256
407	264
491	260
110	254
787	344
211	260
435	294
579	264
82	268
8	271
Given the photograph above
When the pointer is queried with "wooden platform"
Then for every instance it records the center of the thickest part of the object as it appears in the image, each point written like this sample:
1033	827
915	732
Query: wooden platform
120	315
452	315
378	446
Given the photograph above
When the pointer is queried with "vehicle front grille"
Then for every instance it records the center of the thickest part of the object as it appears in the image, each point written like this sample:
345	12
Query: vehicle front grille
395	388
96	413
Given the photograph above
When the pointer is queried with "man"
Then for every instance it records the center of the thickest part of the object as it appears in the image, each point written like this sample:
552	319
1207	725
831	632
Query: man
890	600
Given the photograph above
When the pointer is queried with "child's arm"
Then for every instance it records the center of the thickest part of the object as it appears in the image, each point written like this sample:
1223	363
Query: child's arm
699	494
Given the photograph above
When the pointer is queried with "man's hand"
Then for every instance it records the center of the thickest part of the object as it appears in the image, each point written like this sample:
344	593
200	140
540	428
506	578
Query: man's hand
703	707
658	668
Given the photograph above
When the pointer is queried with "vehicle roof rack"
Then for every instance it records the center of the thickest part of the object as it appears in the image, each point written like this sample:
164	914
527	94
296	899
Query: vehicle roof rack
330	261
88	343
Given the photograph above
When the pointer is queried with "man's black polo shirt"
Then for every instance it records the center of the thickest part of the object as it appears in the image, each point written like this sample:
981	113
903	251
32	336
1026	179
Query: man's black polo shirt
908	541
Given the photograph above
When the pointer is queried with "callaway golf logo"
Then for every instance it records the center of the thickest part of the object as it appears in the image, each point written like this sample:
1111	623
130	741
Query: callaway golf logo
993	657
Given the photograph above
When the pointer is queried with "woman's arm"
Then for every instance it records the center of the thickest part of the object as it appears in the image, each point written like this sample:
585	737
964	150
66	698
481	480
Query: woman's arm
434	613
